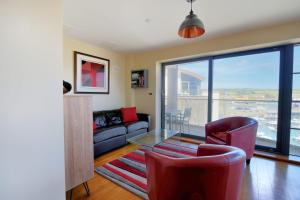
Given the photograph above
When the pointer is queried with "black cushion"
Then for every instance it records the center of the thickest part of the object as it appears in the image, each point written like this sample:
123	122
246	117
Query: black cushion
134	126
113	118
108	132
100	121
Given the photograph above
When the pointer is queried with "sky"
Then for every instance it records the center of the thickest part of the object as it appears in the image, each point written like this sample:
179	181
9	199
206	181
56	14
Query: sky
296	80
257	71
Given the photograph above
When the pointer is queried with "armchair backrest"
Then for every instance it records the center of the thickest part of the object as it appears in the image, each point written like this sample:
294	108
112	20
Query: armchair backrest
238	122
241	132
216	174
230	124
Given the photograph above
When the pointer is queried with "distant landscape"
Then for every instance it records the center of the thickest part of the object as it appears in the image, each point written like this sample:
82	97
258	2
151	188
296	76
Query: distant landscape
261	104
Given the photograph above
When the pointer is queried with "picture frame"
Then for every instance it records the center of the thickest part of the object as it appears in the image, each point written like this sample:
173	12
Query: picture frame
91	74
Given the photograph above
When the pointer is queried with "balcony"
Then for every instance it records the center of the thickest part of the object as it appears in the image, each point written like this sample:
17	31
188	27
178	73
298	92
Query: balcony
264	111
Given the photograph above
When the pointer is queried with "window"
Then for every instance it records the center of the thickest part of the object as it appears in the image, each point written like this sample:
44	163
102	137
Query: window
255	83
185	97
241	88
295	117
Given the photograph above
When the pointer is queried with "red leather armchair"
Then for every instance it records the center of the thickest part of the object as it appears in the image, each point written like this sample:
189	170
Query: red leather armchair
233	131
215	174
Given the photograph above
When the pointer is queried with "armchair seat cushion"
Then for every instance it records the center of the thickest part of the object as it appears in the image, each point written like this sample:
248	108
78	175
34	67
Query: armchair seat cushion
220	135
134	126
213	140
109	132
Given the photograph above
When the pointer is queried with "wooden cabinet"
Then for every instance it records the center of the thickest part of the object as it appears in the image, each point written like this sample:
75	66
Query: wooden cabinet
78	129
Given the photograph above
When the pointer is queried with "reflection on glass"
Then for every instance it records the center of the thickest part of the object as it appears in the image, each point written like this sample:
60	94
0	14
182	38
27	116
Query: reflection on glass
295	142
296	87
295	118
297	59
248	86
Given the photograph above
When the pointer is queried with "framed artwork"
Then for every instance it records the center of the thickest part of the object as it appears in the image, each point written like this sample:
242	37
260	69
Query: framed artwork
91	74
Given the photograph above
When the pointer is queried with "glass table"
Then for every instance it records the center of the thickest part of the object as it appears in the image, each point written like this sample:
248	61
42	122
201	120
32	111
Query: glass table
152	138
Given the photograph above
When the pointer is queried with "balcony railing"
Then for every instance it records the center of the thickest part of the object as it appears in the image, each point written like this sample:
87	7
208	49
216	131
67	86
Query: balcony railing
264	111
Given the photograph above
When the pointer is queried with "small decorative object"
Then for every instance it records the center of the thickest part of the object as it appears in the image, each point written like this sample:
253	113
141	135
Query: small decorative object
139	79
192	26
67	87
91	74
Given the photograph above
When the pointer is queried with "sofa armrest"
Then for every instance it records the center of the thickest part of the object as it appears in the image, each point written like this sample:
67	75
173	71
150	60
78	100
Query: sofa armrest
144	117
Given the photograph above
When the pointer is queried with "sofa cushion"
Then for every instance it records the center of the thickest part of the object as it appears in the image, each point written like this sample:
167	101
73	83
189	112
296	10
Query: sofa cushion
113	118
133	126
109	132
107	145
136	133
129	114
100	121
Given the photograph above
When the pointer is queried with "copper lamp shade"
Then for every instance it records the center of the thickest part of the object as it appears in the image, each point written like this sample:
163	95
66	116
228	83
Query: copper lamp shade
192	26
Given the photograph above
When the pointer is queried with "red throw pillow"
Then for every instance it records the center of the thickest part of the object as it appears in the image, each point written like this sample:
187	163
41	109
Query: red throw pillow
129	114
94	125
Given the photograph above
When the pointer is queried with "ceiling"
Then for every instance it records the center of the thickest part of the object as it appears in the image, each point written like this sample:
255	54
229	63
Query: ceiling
139	25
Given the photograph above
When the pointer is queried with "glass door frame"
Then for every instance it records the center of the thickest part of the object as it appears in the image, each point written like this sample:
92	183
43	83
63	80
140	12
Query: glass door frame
284	98
163	73
293	73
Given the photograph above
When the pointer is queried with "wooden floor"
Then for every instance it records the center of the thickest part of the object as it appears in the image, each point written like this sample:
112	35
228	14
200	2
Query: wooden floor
264	180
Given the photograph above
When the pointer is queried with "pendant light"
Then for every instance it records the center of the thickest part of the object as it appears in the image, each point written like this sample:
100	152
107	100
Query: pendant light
192	26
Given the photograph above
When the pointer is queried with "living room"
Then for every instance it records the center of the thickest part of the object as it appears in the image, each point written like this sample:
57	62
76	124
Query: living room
162	99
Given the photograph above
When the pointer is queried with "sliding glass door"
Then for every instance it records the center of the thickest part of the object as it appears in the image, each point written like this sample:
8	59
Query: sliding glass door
256	83
185	97
295	117
248	86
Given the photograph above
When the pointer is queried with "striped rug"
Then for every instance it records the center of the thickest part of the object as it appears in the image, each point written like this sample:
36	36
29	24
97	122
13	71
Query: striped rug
129	171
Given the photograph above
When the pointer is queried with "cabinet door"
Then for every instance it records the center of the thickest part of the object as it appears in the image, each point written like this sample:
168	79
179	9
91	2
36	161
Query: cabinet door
78	128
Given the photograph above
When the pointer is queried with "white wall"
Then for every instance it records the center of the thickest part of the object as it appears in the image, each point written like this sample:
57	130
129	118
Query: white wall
31	117
116	97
